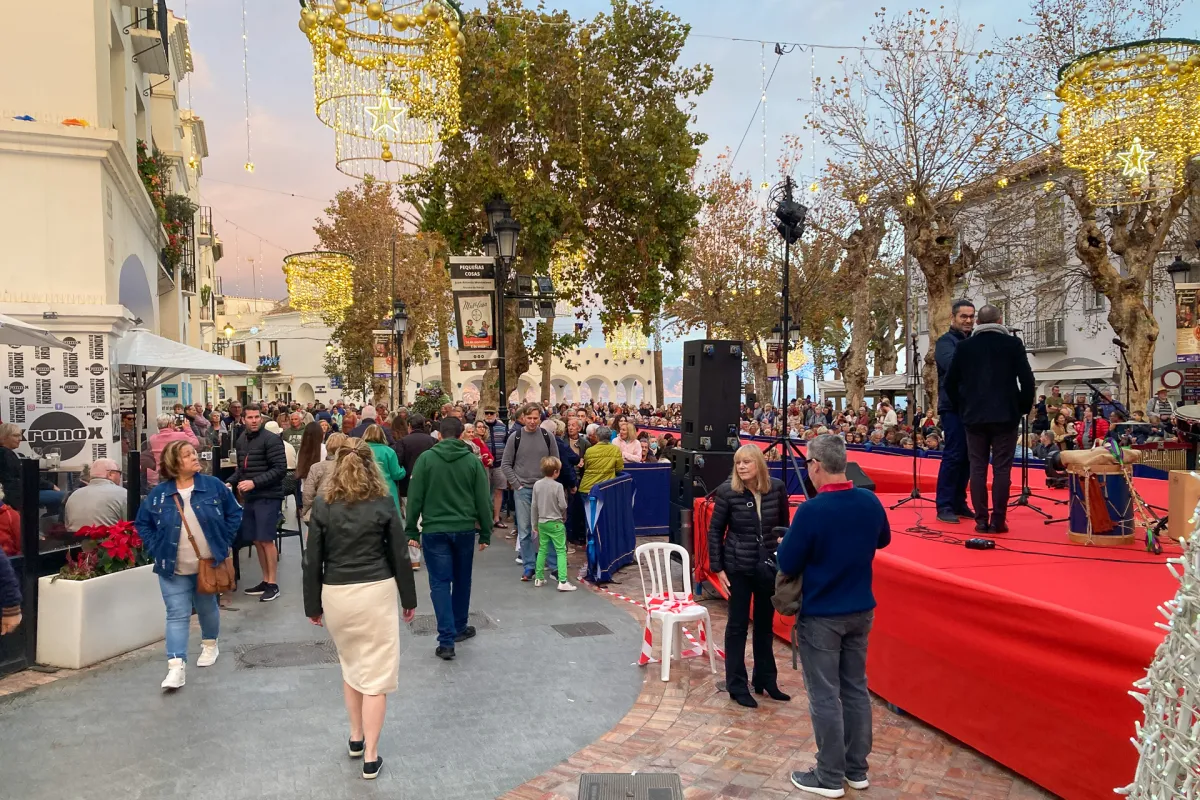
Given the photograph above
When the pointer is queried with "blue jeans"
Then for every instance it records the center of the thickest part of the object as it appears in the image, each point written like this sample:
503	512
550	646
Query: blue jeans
52	500
954	471
525	531
448	557
180	595
833	653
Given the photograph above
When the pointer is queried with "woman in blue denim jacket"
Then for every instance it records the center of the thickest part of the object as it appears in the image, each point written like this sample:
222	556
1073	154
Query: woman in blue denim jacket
187	500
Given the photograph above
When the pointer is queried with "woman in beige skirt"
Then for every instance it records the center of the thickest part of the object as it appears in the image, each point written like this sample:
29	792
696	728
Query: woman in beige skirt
356	564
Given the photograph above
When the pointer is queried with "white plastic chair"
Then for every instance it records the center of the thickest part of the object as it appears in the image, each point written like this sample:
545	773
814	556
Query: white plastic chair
670	607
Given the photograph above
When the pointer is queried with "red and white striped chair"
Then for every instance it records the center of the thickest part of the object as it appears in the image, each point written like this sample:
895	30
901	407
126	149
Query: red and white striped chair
671	607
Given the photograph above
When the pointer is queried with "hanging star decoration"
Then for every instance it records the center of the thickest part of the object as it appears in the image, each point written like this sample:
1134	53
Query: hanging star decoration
1135	162
383	117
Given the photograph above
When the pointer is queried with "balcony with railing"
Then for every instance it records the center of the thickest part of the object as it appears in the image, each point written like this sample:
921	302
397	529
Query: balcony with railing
268	364
204	226
187	257
1045	334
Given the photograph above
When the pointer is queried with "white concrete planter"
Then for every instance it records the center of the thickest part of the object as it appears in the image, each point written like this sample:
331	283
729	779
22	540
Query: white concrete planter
83	622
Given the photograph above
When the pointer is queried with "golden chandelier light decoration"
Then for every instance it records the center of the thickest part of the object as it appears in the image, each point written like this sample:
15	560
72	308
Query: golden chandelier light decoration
627	340
1131	118
320	284
386	79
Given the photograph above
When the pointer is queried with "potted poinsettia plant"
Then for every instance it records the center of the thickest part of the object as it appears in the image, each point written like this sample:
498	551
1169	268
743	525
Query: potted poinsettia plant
105	601
104	549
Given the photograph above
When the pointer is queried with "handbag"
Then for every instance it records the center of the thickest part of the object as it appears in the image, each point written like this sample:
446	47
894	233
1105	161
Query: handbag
211	578
767	568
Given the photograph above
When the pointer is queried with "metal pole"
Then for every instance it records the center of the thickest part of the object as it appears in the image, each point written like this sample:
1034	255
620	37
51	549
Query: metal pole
501	282
787	332
400	363
395	333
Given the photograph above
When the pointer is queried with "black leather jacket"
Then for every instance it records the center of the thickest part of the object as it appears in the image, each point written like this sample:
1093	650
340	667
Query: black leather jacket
261	458
733	531
356	543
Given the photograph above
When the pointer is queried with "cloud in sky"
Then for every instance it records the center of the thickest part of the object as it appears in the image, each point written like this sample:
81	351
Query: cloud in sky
294	176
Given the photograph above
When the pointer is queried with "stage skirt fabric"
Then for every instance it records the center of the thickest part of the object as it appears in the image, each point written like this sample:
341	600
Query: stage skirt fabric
364	621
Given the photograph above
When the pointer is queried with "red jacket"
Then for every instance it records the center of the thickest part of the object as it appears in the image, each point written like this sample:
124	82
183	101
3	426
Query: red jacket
1101	431
10	530
485	455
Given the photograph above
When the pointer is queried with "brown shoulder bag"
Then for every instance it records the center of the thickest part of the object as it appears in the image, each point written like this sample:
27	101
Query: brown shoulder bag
212	578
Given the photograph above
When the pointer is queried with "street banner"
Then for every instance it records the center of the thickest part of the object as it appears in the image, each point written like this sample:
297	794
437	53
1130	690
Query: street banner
381	354
1187	323
473	284
65	402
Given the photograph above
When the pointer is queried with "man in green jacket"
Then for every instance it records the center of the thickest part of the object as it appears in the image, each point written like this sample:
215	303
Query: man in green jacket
449	494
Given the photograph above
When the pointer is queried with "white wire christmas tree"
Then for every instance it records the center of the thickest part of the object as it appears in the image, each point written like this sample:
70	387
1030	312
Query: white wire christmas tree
1169	763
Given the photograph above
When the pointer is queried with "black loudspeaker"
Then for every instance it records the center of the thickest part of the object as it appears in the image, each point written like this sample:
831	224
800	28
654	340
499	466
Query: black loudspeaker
697	473
861	481
712	384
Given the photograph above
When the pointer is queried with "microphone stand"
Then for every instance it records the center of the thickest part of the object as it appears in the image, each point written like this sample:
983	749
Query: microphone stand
1026	493
914	382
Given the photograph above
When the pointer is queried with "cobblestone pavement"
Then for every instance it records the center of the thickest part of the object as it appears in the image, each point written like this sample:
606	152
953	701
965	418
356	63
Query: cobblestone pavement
723	751
519	699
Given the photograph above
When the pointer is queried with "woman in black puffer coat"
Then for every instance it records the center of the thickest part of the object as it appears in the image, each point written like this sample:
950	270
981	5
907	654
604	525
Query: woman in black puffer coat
749	506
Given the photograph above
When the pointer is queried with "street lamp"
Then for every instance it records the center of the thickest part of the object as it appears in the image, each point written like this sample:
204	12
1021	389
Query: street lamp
399	327
497	210
490	248
794	333
1179	270
228	331
500	243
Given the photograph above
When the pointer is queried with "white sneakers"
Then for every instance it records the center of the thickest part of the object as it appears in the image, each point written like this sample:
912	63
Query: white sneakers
566	586
175	674
860	785
208	653
539	582
177	669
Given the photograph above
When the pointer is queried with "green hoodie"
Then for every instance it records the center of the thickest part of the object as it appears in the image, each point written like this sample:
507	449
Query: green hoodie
449	492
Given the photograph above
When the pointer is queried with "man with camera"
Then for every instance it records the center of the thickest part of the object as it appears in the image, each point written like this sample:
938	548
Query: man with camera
990	386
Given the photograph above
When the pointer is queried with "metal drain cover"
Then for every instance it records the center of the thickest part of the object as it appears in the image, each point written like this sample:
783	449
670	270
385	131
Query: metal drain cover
643	786
286	654
575	630
426	624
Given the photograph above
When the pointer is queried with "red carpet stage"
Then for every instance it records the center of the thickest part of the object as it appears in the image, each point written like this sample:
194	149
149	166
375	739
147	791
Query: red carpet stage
1026	652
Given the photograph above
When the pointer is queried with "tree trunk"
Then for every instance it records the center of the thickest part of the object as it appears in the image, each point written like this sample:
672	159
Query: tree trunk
887	355
862	246
545	348
660	390
930	239
443	334
516	355
758	364
818	363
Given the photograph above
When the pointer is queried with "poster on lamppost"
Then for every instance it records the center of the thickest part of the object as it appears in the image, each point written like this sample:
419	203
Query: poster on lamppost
381	353
62	399
473	284
1187	325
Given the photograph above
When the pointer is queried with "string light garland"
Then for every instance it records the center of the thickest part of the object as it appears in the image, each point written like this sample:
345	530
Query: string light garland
1131	118
386	80
762	82
320	283
249	166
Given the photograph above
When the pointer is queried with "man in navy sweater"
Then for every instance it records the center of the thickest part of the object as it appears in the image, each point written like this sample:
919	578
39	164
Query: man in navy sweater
831	544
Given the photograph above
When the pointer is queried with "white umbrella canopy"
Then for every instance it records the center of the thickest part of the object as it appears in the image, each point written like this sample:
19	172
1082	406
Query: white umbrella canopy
15	332
161	359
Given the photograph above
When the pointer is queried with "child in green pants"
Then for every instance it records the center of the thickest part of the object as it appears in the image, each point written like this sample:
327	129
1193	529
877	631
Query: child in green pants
547	511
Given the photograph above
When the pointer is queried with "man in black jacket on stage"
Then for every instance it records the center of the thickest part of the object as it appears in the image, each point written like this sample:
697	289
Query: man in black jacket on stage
952	475
990	385
258	481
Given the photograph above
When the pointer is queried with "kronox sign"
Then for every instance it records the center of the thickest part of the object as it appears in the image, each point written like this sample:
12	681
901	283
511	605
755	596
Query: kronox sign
58	432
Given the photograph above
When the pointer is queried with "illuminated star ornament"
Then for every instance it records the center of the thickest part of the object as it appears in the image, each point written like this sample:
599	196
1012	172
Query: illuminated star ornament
383	117
1135	162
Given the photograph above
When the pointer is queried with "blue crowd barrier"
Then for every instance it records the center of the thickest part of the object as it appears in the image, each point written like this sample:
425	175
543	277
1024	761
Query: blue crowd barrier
651	497
608	511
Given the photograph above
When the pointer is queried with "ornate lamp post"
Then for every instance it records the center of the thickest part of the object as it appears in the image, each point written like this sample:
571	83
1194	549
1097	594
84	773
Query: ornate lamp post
399	327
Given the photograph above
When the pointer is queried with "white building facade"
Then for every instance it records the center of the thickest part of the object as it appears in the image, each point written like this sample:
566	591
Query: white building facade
1037	280
84	241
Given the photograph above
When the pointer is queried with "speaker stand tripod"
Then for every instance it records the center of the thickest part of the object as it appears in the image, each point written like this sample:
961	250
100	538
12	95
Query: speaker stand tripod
1026	493
790	457
914	383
